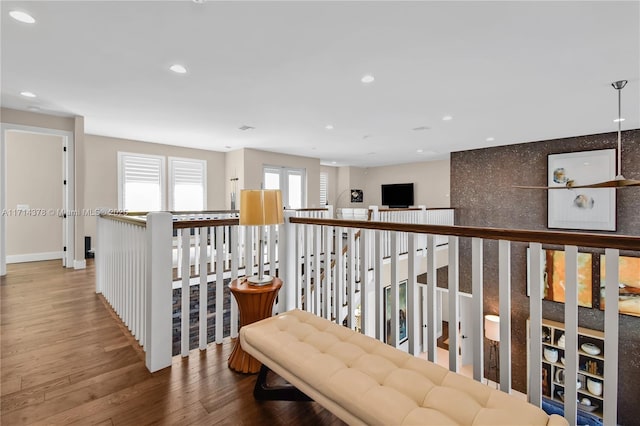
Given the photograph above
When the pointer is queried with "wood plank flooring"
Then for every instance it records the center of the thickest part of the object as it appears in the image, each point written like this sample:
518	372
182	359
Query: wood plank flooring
65	358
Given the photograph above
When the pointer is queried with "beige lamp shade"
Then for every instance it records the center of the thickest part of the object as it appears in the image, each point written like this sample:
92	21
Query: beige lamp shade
492	327
261	207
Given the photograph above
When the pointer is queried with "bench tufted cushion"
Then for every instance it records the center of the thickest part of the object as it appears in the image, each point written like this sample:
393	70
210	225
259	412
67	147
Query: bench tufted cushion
364	381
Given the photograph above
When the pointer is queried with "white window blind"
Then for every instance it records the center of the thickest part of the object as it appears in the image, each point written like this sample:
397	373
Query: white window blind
324	188
188	180
141	182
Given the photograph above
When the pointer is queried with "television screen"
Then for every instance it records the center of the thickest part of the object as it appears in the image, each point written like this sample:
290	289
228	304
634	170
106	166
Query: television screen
397	195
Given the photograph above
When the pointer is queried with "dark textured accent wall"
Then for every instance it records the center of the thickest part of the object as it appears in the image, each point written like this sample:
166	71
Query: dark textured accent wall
482	194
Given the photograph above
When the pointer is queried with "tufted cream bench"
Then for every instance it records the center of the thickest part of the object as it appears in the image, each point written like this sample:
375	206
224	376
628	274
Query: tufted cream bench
364	381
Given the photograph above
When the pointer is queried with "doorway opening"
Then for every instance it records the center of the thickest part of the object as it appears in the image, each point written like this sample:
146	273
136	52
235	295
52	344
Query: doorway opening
36	168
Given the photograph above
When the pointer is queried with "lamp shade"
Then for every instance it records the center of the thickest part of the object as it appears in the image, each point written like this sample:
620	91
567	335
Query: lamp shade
261	207
492	327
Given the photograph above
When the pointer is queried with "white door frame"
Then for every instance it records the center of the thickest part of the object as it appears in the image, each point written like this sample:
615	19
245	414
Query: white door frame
284	181
68	192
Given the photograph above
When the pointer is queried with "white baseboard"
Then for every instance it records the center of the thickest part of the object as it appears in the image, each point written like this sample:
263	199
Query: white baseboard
35	257
79	264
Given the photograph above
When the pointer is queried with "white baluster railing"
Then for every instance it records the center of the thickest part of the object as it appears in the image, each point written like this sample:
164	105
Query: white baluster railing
134	273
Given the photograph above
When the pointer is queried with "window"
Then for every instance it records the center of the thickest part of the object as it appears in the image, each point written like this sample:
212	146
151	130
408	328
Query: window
187	184
324	188
290	181
141	182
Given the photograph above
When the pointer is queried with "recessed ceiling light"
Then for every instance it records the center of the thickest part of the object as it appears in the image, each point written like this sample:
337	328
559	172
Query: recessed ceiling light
421	128
586	163
490	139
199	1
371	153
28	94
245	127
367	79
178	69
333	162
21	16
329	127
366	136
447	118
227	146
618	120
33	108
420	151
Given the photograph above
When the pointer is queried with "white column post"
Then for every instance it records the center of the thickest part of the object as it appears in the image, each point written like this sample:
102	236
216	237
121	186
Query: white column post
287	260
159	291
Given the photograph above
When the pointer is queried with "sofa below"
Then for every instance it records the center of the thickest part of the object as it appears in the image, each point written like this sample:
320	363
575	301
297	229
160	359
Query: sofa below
364	381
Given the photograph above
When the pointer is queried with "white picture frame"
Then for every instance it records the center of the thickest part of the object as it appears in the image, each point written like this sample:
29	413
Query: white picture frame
586	208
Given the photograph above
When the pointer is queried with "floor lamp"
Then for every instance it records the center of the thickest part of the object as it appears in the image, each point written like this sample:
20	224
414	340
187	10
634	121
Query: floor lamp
261	207
492	333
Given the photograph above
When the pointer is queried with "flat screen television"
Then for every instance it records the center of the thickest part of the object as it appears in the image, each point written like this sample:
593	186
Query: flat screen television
397	195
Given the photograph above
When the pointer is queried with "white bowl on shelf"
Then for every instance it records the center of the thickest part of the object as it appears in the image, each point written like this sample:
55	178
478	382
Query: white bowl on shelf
550	354
590	348
594	386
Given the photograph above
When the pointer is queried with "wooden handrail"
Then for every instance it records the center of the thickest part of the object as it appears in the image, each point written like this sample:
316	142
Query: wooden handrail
198	223
187	212
125	219
622	242
415	209
315	209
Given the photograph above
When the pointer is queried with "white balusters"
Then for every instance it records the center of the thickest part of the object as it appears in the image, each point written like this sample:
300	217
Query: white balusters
611	335
504	288
571	333
535	324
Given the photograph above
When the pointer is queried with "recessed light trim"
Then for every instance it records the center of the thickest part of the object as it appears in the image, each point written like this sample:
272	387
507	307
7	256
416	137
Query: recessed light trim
244	127
334	162
33	108
618	120
419	151
491	139
420	128
367	78
329	127
21	16
178	69
447	118
28	94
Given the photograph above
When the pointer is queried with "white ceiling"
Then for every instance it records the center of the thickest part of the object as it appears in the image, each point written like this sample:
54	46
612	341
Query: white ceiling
515	71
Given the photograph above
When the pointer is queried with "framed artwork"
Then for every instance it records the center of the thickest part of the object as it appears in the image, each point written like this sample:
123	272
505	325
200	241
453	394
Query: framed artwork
402	312
357	196
586	208
628	287
553	285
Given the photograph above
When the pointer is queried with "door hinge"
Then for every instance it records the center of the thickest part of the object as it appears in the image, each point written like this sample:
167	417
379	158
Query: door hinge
64	182
65	248
64	148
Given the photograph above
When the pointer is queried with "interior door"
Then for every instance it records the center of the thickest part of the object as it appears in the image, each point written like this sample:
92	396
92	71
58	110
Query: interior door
465	329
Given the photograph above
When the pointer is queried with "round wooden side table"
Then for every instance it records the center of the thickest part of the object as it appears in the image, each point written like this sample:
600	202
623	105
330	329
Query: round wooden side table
254	303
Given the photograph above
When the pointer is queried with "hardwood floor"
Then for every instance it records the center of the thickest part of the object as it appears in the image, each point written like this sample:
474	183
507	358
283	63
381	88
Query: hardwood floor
67	359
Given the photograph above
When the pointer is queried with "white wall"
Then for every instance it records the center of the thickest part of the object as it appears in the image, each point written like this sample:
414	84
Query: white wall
431	182
255	160
101	162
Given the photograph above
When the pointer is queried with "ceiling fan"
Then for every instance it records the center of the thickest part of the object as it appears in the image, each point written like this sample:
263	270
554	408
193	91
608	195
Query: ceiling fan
619	181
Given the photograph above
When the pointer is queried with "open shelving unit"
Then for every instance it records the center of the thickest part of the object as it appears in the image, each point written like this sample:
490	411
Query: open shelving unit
590	366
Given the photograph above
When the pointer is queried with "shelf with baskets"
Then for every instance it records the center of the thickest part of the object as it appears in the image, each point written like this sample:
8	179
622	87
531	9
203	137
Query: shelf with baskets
591	359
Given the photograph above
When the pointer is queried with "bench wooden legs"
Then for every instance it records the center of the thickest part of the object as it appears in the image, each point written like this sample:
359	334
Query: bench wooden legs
284	392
